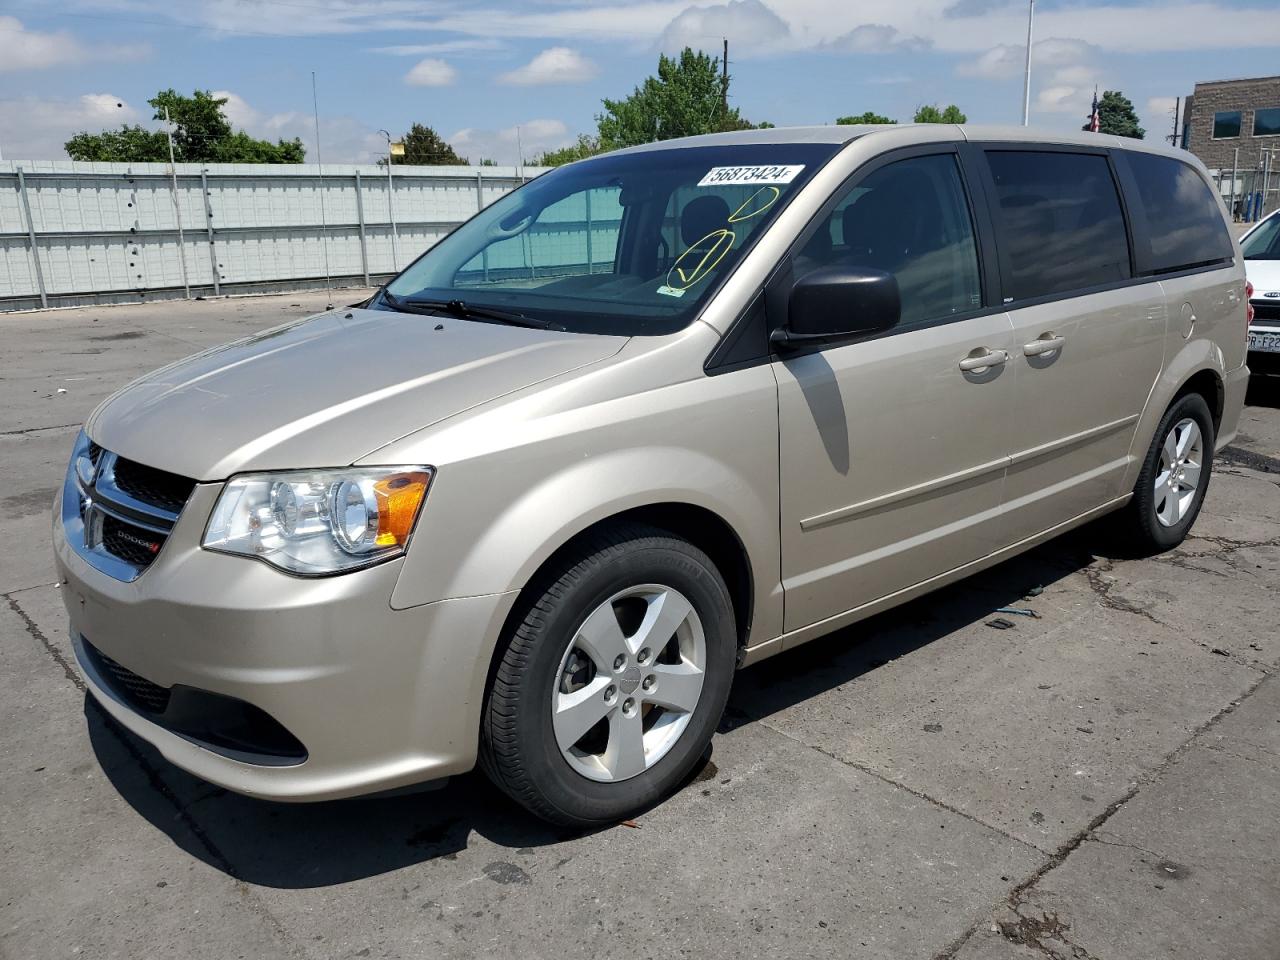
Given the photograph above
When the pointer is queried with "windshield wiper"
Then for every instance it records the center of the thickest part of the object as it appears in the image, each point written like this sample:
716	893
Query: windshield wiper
466	311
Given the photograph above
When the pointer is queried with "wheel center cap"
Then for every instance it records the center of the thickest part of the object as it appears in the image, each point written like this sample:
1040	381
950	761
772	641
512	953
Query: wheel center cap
629	679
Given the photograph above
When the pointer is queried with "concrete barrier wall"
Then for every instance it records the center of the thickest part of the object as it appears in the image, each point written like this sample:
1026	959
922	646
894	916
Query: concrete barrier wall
78	233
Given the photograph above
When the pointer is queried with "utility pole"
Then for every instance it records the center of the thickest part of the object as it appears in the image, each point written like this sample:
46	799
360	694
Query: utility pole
391	209
1026	83
177	207
324	221
724	80
1177	105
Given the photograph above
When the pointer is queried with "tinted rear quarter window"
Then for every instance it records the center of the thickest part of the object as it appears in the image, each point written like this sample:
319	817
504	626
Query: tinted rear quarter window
1184	222
1060	224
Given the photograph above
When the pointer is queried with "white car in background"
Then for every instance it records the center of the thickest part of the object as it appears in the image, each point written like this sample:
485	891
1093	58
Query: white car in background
1262	267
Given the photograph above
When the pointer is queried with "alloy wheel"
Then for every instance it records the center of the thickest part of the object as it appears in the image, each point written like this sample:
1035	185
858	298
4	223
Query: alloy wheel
629	682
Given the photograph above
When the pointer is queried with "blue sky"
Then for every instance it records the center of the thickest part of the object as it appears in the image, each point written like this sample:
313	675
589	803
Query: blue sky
478	69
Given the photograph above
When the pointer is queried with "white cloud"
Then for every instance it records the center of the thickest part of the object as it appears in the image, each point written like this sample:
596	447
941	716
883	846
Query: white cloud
23	49
35	128
749	25
479	44
1124	27
431	73
1064	72
554	65
877	38
534	137
343	139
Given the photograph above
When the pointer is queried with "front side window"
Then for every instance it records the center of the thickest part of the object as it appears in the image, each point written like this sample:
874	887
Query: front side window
628	244
1059	222
1226	125
1184	219
911	219
1266	123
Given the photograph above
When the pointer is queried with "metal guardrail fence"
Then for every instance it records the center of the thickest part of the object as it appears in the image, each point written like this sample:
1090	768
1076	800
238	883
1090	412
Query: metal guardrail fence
76	233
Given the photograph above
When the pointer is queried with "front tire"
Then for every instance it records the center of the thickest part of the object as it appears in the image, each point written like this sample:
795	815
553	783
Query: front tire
1175	476
613	680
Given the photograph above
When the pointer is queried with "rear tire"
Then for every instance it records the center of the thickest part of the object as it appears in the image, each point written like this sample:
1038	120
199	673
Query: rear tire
1175	476
613	680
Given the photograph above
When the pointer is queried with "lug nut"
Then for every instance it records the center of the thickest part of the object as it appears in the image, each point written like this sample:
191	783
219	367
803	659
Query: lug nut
620	661
627	705
610	692
643	656
650	682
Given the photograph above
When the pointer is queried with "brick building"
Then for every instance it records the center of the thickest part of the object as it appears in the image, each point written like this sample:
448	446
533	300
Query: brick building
1226	116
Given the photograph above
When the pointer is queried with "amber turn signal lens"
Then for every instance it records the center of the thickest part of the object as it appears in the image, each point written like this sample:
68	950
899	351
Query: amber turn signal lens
399	498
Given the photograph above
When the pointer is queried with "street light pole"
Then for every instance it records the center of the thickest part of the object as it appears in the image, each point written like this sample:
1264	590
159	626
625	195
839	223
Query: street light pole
177	207
391	211
1026	82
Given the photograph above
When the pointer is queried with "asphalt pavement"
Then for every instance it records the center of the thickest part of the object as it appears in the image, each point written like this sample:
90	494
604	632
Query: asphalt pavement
1096	779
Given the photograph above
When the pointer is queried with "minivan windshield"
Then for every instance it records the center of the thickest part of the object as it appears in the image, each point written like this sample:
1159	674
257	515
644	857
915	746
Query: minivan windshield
629	244
1264	242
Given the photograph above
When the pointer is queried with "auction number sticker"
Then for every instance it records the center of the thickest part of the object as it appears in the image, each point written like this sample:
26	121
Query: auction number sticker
771	174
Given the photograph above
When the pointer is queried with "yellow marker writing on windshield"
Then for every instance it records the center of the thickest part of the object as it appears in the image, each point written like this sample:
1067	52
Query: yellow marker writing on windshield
721	243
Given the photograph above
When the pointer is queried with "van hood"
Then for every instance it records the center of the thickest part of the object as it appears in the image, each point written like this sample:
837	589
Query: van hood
1264	275
327	390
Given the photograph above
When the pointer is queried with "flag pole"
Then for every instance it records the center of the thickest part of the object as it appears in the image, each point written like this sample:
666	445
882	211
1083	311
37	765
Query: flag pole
1026	81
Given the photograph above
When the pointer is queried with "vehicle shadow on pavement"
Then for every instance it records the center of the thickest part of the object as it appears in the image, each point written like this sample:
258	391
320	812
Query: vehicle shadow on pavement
303	845
1263	392
828	662
319	844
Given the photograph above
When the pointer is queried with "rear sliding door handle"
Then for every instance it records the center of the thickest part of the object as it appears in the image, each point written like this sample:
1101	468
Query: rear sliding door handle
1046	344
992	358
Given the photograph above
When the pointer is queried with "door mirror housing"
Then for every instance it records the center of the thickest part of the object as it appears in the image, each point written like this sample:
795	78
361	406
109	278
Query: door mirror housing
837	303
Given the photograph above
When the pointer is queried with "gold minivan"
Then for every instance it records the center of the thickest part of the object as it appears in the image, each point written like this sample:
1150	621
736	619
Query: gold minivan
651	417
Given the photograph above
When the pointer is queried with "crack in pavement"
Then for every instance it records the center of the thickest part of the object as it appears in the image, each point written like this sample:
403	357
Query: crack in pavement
37	634
1033	931
1016	896
1106	590
56	426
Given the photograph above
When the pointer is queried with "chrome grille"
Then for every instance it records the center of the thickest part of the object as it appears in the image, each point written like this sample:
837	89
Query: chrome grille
118	513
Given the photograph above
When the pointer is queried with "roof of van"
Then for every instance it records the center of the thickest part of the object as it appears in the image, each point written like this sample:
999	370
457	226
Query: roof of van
836	134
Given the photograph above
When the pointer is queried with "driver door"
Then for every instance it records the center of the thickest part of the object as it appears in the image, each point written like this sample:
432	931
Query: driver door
893	457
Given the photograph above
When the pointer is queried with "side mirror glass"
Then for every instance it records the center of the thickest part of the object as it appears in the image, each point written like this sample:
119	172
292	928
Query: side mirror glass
839	303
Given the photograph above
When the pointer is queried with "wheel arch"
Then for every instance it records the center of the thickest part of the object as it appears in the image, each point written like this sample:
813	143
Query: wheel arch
701	526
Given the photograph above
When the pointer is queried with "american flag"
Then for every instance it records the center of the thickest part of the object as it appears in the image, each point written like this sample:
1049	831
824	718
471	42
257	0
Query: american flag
1095	121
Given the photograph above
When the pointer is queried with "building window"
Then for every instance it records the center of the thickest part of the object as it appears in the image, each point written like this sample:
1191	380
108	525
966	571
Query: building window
1266	123
1226	125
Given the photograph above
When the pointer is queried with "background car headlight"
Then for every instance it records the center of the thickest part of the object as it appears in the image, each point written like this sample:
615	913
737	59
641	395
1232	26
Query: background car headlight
319	521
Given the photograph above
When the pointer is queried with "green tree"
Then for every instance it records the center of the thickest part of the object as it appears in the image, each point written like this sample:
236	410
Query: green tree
868	117
201	134
587	146
423	147
1117	116
129	144
932	113
687	97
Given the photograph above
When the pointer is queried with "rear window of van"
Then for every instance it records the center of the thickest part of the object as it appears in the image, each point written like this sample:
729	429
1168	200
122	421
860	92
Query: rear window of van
1184	219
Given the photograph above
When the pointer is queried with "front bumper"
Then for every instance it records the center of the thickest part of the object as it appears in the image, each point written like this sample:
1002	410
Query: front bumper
379	698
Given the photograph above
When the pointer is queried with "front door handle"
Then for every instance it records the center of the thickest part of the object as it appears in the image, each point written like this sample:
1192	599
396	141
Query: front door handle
990	358
1046	344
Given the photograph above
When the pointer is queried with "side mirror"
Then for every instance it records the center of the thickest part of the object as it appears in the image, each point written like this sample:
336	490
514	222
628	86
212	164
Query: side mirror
838	303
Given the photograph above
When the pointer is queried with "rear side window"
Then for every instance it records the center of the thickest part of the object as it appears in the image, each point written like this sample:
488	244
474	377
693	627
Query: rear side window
1184	220
1059	220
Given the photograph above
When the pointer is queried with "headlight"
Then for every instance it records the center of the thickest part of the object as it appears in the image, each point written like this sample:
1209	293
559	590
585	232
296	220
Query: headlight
315	522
